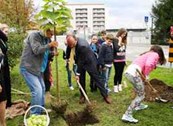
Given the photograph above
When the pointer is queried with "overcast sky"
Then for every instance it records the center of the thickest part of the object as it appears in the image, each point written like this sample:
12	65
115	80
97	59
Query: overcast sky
122	13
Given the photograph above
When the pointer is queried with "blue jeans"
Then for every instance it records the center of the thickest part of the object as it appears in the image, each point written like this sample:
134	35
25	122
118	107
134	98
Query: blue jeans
106	74
69	73
37	88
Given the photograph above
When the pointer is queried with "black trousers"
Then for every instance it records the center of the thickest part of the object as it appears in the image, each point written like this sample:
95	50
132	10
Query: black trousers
7	84
119	68
94	74
93	86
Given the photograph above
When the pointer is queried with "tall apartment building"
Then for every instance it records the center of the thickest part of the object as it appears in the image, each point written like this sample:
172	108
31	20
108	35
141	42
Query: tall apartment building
89	17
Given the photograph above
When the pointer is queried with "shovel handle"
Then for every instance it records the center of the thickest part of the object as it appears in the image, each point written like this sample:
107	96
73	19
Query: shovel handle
141	75
144	79
85	95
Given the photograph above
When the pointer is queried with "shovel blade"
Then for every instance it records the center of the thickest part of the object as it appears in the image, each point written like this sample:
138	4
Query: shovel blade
161	100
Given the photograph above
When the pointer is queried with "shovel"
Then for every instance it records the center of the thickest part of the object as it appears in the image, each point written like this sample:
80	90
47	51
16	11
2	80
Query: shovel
158	99
144	79
85	95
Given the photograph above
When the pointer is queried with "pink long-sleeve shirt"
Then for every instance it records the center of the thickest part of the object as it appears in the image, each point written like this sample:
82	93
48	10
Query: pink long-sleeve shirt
147	62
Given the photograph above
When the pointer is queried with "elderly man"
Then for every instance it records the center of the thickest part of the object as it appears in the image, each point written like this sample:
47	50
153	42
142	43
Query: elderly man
86	61
33	64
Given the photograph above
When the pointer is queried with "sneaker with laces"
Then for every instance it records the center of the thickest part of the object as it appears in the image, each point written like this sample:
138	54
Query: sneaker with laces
108	90
116	89
141	107
129	118
71	88
120	87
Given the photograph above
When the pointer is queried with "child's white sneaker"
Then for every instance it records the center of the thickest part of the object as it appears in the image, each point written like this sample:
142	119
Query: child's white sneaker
116	89
120	87
124	84
129	118
141	107
71	88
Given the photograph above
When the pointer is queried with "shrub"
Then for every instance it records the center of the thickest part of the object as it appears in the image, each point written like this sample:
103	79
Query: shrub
15	45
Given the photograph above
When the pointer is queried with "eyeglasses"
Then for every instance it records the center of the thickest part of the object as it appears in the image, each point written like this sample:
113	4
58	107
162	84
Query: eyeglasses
5	32
51	33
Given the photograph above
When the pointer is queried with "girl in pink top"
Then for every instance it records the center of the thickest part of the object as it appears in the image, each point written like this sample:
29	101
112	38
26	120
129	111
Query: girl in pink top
145	63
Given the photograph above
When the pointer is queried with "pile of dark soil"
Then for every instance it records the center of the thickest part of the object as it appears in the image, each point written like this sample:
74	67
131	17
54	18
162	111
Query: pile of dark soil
82	118
59	107
164	91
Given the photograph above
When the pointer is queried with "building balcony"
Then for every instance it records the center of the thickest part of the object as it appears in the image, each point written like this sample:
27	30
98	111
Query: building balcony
81	20
81	11
99	15
81	26
81	16
100	23
81	23
99	9
98	19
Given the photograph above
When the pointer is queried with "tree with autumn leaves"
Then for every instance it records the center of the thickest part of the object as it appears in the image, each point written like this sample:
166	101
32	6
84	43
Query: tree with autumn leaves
20	16
16	13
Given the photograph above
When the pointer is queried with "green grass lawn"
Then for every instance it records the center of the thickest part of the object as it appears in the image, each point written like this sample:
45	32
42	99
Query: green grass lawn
158	114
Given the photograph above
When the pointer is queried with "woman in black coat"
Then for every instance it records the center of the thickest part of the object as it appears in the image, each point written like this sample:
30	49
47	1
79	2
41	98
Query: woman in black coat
3	72
5	68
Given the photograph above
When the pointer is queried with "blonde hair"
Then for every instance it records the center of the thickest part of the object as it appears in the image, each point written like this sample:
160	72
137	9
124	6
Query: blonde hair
109	36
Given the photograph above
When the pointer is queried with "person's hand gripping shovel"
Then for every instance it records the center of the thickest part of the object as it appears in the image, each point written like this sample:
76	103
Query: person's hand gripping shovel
83	92
90	106
158	98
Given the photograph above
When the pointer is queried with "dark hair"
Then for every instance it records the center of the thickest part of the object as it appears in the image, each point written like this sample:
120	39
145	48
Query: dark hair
71	35
93	35
103	32
159	51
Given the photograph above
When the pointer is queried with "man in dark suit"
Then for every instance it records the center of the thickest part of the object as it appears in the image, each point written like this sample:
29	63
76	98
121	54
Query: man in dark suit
86	61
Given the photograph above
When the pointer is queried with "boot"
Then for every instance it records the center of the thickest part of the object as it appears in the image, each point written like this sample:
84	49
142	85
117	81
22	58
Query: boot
107	100
82	100
116	89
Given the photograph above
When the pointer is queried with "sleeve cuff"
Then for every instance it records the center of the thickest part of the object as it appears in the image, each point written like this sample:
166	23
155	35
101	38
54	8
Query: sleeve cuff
77	74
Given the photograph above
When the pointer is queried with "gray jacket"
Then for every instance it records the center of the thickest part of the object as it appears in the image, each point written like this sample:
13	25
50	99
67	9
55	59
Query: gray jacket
33	52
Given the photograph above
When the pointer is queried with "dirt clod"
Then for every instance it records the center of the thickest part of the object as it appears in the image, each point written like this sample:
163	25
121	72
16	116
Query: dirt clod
82	118
164	91
59	107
